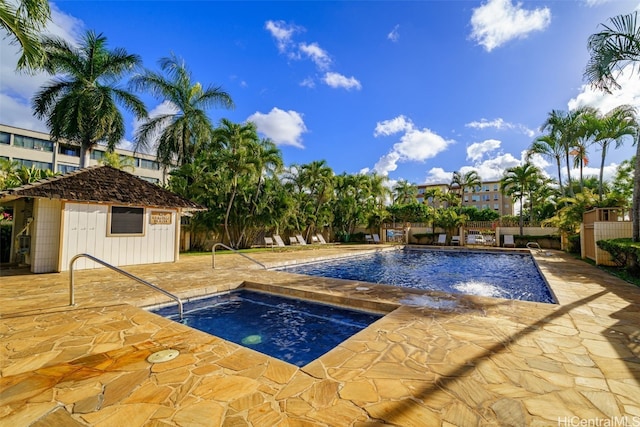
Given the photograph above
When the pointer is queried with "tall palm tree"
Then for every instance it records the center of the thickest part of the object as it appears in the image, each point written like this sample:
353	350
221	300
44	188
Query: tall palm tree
177	135
614	126
237	141
23	23
460	181
612	49
404	192
318	179
517	182
80	104
550	147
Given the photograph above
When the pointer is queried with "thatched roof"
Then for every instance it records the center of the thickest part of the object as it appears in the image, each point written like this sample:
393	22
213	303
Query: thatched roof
101	184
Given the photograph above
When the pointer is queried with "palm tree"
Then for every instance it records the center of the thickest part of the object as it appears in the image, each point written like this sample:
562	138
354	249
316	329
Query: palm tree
80	104
317	178
237	141
22	23
549	146
613	48
614	127
460	181
517	182
404	192
177	135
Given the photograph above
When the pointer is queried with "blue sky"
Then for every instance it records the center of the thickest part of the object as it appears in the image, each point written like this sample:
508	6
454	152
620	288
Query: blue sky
412	90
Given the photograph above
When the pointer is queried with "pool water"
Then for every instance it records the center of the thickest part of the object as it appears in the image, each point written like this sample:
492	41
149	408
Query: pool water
498	275
296	331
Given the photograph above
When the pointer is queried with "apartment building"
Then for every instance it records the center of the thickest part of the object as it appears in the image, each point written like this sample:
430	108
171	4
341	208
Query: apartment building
31	148
485	196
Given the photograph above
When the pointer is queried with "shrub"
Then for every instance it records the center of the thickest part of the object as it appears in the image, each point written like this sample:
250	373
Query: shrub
624	252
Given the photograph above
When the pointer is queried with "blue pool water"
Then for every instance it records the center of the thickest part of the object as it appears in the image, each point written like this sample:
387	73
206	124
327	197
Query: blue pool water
500	275
296	331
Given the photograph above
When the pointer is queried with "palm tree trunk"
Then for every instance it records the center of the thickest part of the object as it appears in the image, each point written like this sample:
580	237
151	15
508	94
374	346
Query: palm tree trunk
521	217
601	178
569	177
226	218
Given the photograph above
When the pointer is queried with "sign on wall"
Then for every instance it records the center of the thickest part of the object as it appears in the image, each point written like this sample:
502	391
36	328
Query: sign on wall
160	218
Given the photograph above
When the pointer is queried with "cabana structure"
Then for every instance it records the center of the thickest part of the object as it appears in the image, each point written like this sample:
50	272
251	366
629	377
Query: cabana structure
105	212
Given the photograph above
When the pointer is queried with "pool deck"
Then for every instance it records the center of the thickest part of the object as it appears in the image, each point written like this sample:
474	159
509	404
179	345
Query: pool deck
435	359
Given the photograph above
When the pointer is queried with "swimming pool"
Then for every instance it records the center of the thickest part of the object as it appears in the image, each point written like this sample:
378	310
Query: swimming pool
499	275
293	330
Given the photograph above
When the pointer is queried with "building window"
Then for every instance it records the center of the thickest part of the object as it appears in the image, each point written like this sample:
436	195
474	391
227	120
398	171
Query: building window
66	168
126	220
38	165
495	197
485	188
466	198
149	164
486	197
151	180
69	150
5	138
475	198
495	187
97	154
32	143
496	206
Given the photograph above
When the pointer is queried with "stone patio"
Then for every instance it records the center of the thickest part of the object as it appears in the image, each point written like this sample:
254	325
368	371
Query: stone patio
474	361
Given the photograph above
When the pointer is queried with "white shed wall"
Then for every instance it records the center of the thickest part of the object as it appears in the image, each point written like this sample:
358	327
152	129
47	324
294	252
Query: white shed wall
45	239
85	231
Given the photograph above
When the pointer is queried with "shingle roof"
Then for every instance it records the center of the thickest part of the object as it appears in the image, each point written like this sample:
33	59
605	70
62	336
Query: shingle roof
102	184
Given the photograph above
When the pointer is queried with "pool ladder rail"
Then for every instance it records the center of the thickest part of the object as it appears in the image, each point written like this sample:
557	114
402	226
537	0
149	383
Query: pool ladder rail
124	273
213	255
535	246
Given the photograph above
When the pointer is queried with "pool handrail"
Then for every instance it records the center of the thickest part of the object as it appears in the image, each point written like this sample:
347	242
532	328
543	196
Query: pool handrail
118	270
213	255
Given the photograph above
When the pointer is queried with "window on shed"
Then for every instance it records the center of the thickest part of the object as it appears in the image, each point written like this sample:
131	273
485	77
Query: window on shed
127	220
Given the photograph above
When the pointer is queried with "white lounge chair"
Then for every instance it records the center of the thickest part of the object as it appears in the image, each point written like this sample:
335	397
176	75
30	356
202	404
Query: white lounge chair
376	238
279	241
321	239
442	239
508	241
293	240
455	240
368	238
301	240
268	242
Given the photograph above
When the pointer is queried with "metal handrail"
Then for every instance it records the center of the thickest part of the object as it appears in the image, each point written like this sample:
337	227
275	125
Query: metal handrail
116	269
213	255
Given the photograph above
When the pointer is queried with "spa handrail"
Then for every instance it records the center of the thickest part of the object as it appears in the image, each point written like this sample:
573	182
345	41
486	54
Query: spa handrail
124	273
213	255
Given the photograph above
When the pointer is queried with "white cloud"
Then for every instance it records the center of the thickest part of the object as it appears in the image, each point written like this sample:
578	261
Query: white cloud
415	145
492	169
389	127
629	93
438	176
500	124
308	82
478	149
318	55
282	32
498	21
337	80
282	127
394	36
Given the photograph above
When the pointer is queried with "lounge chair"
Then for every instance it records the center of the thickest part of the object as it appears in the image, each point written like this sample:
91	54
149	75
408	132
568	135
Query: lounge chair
442	239
508	241
279	241
301	240
376	238
321	239
268	242
293	240
455	240
368	238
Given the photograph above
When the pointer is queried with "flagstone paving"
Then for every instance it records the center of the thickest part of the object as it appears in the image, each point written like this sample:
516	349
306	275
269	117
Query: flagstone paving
473	361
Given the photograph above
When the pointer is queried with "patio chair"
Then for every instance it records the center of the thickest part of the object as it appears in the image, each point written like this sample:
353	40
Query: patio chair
321	239
293	240
442	239
301	240
268	242
508	241
455	240
376	238
278	240
368	238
